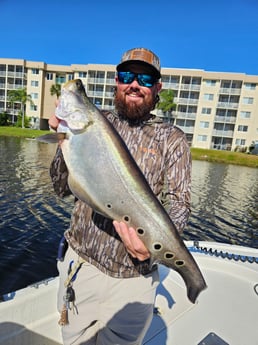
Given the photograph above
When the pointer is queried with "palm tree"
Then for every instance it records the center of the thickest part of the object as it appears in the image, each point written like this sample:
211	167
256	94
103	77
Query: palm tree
166	103
55	90
20	96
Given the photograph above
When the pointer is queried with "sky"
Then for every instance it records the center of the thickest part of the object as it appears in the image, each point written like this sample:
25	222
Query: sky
211	35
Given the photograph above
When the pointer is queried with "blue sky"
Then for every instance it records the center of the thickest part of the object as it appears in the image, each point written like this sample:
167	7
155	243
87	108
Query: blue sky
214	35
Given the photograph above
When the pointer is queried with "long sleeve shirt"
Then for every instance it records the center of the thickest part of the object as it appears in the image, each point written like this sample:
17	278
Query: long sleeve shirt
162	153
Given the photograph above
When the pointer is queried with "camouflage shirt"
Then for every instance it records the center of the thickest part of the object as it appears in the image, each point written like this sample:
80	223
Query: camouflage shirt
162	153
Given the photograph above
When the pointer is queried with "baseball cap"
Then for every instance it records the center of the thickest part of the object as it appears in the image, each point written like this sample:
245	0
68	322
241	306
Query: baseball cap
140	55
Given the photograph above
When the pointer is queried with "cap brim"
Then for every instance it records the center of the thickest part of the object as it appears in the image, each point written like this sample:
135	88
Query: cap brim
124	64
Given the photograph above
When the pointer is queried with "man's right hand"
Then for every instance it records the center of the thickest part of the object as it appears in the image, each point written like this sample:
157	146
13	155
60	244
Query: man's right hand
53	122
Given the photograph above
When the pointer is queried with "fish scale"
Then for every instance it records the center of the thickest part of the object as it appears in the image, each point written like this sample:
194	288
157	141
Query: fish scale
103	174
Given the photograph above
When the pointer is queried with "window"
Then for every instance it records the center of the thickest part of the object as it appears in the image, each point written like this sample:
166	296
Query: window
204	124
33	107
245	114
248	100
165	79
82	74
210	82
202	138
49	76
240	142
111	75
60	79
19	69
35	71
208	96
34	95
70	76
250	86
206	111
34	83
242	128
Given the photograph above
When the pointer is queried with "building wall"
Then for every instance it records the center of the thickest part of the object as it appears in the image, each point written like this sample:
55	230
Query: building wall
216	110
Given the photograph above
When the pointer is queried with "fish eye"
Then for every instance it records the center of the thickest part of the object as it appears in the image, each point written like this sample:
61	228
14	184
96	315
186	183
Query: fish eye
109	206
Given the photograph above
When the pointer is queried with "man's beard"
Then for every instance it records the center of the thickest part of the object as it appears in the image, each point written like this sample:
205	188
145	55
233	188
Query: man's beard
131	110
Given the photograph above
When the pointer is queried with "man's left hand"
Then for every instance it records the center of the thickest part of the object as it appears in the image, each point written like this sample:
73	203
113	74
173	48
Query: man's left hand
132	242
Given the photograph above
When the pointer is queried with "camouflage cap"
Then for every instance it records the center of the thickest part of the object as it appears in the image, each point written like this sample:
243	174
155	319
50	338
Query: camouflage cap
141	55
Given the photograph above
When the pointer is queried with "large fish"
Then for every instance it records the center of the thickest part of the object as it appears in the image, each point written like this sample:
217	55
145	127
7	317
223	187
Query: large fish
103	174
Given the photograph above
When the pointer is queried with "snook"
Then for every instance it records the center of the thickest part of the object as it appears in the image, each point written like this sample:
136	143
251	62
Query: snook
103	174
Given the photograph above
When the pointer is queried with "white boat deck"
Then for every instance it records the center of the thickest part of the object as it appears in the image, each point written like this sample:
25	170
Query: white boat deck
225	313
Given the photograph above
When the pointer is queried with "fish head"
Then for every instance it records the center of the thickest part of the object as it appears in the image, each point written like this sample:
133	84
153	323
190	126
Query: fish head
71	108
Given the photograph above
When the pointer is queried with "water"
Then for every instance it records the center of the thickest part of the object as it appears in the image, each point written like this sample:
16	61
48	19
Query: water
33	218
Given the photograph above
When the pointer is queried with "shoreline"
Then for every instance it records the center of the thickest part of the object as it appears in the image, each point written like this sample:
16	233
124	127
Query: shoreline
213	156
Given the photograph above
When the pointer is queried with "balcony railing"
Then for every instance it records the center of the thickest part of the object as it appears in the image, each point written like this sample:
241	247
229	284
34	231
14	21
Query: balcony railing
96	80
192	87
185	115
186	129
230	105
232	91
222	133
168	85
229	119
191	101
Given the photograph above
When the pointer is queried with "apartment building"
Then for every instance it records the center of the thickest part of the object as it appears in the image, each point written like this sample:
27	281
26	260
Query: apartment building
216	110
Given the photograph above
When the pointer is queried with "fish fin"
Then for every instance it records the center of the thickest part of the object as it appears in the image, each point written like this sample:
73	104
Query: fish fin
52	138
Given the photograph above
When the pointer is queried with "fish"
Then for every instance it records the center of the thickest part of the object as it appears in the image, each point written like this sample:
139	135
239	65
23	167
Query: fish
103	174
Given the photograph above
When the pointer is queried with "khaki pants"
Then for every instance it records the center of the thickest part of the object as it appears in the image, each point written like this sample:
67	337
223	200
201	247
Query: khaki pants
111	311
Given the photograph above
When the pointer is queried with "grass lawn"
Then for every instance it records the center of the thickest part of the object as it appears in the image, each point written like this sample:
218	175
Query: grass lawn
228	157
21	132
217	156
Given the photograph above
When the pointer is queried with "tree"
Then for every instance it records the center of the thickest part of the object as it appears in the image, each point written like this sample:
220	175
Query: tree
20	96
4	119
55	90
166	103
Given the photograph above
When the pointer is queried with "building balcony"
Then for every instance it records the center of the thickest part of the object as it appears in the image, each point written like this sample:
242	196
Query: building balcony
173	86
109	94
222	133
186	129
229	105
184	115
230	91
96	80
108	107
227	119
225	147
95	93
14	86
187	101
191	87
110	81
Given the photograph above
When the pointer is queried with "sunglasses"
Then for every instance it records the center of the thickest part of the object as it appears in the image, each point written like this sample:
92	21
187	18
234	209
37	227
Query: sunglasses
146	80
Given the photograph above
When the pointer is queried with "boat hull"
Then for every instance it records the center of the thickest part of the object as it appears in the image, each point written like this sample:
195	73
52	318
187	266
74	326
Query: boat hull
226	312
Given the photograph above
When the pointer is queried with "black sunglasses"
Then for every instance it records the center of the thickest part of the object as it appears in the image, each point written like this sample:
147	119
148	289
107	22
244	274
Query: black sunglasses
146	80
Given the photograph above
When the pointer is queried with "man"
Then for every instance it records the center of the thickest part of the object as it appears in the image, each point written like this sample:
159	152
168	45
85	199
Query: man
106	268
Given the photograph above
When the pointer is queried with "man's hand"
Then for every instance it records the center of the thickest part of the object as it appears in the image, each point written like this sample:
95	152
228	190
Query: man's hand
53	122
132	242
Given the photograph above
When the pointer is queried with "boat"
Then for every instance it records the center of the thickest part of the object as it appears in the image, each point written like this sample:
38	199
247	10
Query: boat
226	313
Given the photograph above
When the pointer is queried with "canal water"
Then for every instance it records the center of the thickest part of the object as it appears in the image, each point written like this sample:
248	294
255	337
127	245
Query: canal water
33	218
